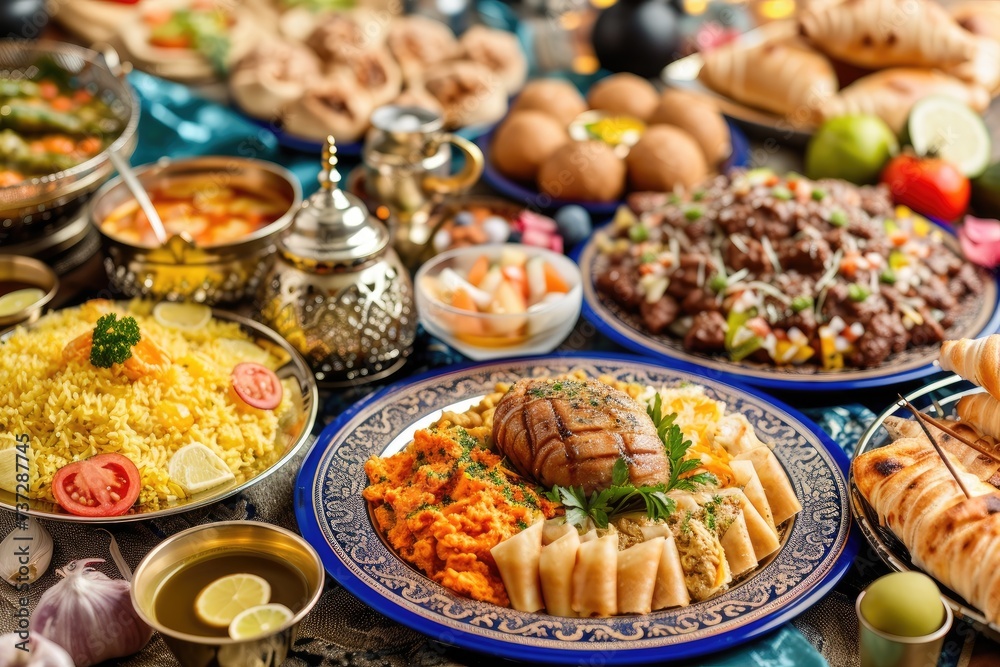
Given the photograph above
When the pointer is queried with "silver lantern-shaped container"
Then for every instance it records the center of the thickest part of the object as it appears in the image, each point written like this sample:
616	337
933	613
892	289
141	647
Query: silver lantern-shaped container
338	292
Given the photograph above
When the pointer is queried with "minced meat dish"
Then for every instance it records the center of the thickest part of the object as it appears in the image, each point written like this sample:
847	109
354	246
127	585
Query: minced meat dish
785	271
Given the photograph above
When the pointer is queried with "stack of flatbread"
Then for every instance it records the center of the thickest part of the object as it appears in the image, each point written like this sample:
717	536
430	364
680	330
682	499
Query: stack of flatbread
909	48
949	535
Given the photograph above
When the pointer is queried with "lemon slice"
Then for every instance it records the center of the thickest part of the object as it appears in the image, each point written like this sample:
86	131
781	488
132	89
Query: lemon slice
186	316
222	601
195	468
244	350
259	621
8	467
15	302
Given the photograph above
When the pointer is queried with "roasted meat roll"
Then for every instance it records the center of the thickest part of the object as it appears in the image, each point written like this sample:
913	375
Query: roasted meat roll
571	432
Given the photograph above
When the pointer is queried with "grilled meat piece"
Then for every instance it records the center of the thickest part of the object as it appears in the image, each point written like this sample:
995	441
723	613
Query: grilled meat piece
571	432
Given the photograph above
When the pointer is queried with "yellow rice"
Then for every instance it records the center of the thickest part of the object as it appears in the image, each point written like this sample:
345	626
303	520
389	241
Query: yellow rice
72	411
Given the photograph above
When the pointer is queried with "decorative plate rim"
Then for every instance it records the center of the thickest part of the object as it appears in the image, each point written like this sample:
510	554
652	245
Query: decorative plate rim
739	158
310	394
620	332
844	543
860	508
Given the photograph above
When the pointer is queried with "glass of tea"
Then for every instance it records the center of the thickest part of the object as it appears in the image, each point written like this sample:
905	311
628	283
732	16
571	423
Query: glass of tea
230	594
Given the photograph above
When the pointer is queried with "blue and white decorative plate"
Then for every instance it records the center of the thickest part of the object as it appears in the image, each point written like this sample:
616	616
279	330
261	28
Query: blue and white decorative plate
980	317
817	550
530	197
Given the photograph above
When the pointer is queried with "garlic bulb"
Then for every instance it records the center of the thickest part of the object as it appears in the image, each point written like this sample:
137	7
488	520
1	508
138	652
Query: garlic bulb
36	651
26	552
90	615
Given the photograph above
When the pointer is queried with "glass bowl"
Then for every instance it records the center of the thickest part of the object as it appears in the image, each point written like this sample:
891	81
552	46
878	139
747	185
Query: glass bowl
490	335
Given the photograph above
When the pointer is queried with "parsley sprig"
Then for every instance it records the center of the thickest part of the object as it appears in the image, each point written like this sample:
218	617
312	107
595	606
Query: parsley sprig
113	340
622	497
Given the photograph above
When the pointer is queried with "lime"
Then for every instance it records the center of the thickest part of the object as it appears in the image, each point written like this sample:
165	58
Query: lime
219	603
195	468
18	300
854	148
187	316
259	621
945	127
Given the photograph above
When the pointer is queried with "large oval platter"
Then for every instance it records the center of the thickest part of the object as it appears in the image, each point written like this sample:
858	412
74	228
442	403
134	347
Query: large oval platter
937	399
294	433
980	317
817	550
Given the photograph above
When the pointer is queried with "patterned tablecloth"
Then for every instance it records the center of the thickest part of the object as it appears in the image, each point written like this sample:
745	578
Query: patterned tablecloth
342	630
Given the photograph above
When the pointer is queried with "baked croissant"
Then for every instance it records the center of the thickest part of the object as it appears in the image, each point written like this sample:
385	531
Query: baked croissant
891	93
786	76
887	33
982	410
978	361
948	535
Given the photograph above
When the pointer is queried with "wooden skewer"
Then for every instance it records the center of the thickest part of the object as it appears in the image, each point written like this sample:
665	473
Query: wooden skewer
954	473
958	436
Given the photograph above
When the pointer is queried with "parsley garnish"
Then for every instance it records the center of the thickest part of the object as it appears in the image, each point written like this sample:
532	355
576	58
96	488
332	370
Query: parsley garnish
622	497
113	340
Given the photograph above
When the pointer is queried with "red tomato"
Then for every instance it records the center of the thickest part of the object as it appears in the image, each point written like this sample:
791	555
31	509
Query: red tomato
103	485
929	185
257	385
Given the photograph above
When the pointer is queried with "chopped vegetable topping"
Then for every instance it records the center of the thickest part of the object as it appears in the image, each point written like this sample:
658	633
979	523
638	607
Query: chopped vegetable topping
801	303
818	194
838	218
857	293
638	233
693	213
114	340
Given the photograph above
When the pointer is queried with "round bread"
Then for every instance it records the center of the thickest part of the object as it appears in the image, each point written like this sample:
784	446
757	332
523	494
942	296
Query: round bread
699	118
583	171
665	156
468	92
498	50
336	105
625	94
524	141
559	99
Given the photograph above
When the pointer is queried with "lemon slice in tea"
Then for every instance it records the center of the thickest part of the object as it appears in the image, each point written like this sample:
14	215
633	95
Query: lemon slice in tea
224	599
187	316
259	621
15	302
196	467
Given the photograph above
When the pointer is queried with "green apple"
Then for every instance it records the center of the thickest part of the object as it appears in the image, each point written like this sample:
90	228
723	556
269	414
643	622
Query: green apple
854	148
906	604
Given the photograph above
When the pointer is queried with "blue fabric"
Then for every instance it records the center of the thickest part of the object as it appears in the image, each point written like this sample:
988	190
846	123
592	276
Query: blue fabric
176	123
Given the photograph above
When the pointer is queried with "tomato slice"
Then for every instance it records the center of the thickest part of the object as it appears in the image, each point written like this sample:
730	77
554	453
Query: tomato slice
103	485
257	385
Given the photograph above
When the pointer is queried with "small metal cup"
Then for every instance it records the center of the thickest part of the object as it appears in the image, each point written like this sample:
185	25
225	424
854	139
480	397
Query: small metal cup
881	649
242	536
31	272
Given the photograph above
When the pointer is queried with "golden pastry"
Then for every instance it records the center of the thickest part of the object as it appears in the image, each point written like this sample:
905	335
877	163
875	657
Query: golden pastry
523	141
273	74
891	93
663	158
498	50
417	42
583	171
468	93
375	70
980	17
887	33
786	76
417	96
625	94
698	116
341	35
336	105
560	99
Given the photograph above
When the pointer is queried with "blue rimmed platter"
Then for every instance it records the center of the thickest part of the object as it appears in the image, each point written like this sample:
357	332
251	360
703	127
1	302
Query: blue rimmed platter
530	197
818	546
980	317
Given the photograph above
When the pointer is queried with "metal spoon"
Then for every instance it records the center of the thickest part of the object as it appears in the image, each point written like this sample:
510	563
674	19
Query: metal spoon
140	194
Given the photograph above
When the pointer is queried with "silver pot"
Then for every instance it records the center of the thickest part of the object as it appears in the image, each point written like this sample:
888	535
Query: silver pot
35	201
181	270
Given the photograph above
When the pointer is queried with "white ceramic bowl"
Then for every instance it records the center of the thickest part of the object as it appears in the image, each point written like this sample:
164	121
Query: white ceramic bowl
483	335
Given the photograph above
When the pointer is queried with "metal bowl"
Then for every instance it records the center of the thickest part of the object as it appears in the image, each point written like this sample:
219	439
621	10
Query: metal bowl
33	272
180	270
35	201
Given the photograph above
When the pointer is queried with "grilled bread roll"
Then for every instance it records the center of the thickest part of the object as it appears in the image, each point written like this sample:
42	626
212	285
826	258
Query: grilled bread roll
786	76
888	33
978	361
891	93
982	410
948	535
983	467
571	432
